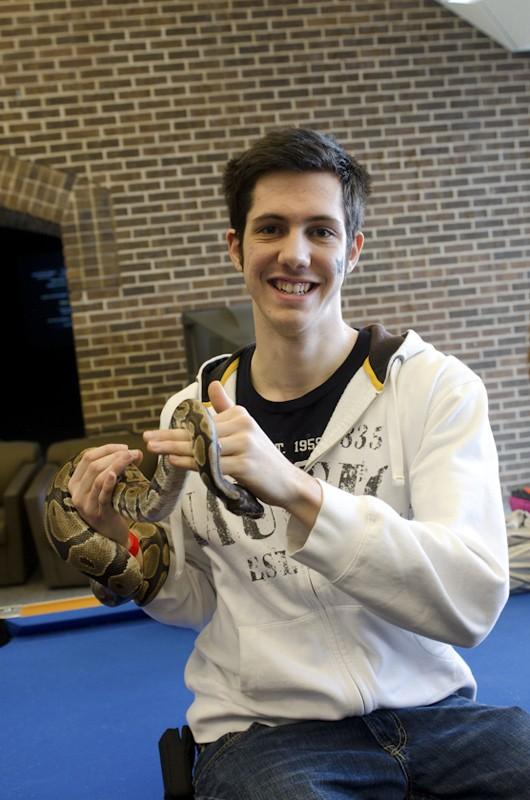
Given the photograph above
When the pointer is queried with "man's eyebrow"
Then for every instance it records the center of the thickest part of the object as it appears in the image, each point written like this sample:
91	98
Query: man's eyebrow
280	218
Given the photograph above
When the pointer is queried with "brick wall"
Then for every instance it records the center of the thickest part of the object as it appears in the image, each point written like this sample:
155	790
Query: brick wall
119	116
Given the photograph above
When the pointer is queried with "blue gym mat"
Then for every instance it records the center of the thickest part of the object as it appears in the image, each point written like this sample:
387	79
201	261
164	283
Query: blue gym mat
84	700
82	709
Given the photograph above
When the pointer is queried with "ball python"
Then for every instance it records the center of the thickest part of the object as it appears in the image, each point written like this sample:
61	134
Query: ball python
115	575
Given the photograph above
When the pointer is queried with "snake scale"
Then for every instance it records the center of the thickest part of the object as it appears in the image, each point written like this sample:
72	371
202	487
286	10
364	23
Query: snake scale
115	575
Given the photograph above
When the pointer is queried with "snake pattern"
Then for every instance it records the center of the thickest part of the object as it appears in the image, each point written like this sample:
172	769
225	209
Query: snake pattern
115	575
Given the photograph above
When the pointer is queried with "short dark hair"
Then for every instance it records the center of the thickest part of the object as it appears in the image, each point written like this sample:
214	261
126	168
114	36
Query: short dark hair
295	150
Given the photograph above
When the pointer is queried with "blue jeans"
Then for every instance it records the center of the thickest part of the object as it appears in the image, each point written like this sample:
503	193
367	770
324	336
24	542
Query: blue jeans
454	749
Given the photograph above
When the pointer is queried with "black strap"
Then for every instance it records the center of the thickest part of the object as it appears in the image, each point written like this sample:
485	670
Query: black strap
216	370
5	636
177	756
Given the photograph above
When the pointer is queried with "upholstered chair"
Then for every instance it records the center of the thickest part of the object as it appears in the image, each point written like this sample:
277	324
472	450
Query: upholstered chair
19	462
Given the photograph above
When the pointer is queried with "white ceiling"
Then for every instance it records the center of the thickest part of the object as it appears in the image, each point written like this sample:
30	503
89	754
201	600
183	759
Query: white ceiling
505	21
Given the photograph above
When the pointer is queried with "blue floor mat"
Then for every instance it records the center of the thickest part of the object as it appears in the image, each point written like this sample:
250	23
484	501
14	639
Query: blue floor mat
82	707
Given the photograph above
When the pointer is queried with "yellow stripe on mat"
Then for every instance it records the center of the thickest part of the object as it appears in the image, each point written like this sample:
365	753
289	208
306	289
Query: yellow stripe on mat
56	606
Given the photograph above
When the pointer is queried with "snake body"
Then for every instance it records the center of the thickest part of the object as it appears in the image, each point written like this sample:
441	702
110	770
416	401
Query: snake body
115	575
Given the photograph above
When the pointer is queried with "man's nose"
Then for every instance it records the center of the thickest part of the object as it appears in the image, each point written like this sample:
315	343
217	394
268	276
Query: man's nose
295	250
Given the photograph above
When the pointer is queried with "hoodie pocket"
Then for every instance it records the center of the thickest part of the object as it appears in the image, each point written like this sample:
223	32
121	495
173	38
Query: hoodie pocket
435	648
293	659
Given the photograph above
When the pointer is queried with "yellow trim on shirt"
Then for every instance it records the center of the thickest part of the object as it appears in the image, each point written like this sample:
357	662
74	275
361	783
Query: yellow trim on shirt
376	383
231	368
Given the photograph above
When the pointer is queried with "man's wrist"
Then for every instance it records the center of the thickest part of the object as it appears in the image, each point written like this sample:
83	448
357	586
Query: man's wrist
306	500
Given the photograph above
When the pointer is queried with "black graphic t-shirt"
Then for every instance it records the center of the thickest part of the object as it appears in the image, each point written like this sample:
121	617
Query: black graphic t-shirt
296	426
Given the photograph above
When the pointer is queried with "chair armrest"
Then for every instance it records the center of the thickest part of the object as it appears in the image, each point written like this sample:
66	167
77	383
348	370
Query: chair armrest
18	551
55	571
34	501
36	495
19	482
13	498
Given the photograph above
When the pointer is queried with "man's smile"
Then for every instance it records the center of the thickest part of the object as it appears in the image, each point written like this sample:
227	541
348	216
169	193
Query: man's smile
292	287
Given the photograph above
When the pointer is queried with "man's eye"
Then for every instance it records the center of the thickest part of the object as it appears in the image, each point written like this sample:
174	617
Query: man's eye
323	233
268	229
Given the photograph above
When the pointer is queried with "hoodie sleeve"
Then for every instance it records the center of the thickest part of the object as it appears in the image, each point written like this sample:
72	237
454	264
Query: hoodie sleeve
444	573
187	597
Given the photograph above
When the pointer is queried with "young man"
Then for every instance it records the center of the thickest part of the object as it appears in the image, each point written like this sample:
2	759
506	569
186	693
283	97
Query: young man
324	666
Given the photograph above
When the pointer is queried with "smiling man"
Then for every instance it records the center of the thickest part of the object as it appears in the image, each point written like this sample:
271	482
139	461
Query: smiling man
325	665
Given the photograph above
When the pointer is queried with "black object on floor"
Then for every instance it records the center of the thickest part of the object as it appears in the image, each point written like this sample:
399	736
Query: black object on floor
177	756
5	636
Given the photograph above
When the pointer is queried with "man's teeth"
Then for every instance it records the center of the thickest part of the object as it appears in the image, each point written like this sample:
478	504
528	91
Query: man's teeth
292	288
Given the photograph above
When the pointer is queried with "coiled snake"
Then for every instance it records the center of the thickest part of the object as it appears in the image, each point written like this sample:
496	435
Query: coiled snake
115	575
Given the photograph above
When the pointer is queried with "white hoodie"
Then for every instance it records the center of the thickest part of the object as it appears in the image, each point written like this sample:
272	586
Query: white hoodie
407	557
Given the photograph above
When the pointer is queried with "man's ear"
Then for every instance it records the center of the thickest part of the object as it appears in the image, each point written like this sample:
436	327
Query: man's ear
234	249
355	252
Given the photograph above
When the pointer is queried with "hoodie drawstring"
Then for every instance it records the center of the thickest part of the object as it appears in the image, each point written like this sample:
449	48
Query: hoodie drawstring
397	466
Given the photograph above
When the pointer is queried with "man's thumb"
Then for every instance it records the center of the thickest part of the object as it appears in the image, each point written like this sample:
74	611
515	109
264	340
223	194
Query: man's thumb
218	397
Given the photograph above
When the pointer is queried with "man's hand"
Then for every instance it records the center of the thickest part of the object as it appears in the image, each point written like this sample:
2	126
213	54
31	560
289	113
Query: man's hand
92	484
251	459
248	456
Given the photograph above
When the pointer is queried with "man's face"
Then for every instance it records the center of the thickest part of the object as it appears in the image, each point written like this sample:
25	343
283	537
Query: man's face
294	252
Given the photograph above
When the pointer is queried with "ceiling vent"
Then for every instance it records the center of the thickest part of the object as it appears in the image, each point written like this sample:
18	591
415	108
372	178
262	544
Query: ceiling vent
505	21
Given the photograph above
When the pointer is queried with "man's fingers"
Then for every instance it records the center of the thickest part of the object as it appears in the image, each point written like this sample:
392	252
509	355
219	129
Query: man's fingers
94	467
176	442
183	462
108	484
